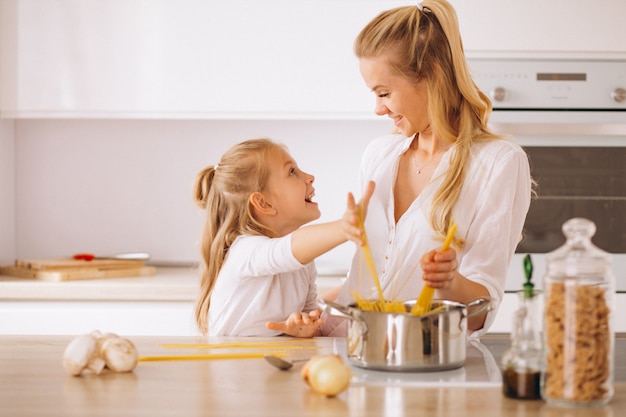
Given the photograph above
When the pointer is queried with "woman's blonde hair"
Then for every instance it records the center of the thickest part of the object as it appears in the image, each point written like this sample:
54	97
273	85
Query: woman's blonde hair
224	192
424	43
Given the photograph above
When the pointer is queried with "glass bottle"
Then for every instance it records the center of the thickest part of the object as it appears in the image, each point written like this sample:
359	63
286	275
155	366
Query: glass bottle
578	332
521	364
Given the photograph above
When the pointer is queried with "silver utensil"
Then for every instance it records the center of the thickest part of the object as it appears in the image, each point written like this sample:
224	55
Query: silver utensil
138	256
144	256
283	364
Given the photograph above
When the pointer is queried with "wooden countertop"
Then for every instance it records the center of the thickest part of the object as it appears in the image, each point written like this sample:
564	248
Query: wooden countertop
33	383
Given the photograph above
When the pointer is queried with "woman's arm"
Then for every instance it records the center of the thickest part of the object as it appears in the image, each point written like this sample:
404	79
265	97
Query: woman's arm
331	295
503	200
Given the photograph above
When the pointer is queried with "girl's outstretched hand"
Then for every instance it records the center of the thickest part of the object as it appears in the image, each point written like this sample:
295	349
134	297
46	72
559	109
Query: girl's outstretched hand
354	211
298	324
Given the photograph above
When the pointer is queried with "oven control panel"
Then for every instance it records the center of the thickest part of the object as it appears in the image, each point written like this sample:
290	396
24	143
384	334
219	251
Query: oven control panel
540	84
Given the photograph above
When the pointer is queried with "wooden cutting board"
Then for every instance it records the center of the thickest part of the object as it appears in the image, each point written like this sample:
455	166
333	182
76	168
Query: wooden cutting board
70	263
72	269
76	273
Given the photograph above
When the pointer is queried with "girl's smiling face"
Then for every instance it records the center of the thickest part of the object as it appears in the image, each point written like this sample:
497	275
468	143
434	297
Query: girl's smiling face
290	191
397	97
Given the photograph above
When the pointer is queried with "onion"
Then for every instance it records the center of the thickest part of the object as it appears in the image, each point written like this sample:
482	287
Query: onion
327	374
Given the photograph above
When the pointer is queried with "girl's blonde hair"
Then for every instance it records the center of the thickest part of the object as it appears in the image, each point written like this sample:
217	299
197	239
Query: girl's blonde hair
224	192
424	43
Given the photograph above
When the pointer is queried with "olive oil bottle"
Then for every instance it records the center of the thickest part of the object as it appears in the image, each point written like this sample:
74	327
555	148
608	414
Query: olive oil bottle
521	363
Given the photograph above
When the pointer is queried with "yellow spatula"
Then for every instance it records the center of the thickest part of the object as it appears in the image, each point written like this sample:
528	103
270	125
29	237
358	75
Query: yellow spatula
424	300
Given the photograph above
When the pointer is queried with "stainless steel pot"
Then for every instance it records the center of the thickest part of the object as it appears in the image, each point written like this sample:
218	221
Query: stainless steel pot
403	342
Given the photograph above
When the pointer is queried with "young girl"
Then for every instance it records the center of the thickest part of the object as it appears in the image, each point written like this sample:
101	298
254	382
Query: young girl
258	260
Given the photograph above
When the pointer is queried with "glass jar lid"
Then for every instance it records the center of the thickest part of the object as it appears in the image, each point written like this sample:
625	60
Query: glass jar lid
578	257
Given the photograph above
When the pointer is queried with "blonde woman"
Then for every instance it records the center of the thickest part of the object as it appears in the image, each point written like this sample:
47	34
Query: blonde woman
259	275
443	165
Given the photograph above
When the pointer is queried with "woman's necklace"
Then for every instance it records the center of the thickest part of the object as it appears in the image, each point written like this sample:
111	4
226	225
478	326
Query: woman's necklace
418	170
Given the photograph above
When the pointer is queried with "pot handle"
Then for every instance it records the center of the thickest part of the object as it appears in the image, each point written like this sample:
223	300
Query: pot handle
336	309
479	306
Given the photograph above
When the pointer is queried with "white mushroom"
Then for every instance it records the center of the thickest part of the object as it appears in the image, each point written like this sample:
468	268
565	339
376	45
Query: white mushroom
81	353
101	339
94	351
120	354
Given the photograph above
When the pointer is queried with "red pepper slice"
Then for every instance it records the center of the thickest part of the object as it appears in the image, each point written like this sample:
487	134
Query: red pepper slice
84	257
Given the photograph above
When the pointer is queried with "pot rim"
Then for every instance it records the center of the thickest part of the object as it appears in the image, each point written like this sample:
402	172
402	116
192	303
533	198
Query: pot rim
478	306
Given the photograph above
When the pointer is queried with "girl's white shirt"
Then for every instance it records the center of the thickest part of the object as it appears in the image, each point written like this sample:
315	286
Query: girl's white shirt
260	281
490	215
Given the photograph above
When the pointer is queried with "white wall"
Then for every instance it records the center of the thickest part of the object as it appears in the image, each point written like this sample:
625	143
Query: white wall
107	186
7	192
124	185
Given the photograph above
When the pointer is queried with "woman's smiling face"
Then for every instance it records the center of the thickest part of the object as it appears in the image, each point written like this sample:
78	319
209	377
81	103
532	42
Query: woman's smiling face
397	97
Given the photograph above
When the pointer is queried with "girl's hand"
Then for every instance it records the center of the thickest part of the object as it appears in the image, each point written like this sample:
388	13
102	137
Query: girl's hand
298	324
350	221
439	268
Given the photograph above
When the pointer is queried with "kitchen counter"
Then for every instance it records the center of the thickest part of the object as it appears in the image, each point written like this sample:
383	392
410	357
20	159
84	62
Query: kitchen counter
33	383
162	304
168	284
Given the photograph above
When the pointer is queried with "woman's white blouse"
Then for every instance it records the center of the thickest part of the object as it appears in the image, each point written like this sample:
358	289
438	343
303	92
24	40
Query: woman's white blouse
490	216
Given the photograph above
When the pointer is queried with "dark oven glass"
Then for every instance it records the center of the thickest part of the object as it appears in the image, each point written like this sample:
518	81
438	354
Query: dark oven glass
572	182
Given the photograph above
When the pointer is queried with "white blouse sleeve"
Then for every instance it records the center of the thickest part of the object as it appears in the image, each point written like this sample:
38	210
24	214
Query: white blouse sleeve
500	187
267	256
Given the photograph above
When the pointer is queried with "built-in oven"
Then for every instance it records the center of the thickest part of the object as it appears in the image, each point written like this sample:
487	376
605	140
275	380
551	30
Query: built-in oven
570	117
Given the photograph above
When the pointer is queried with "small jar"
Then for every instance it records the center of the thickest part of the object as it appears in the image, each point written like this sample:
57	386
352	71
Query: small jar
521	364
578	332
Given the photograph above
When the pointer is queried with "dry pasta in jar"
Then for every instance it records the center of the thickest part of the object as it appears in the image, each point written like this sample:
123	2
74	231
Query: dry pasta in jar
578	289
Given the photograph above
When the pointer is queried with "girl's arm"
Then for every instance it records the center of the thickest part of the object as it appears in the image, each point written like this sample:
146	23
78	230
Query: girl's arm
309	242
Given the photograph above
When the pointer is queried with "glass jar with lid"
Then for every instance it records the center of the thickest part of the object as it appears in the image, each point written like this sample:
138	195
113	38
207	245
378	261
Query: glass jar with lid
579	292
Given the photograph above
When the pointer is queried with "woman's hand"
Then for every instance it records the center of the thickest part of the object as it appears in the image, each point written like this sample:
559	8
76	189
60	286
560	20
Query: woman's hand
439	268
298	324
440	271
350	220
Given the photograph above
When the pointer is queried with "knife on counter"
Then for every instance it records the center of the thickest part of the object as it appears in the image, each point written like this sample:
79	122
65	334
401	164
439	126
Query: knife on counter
138	256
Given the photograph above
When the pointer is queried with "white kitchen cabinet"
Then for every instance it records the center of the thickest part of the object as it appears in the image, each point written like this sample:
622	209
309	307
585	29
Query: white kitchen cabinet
244	59
147	305
146	318
183	59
